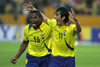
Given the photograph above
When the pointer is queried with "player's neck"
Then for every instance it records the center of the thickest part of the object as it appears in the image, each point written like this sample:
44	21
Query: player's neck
63	24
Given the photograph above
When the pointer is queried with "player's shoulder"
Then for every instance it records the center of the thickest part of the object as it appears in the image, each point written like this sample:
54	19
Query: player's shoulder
45	25
51	21
26	27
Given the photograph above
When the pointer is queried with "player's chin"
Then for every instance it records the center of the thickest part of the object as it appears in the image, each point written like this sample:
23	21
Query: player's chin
35	27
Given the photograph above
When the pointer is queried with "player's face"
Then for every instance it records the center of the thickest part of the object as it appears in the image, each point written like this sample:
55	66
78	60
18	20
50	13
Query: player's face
35	20
58	18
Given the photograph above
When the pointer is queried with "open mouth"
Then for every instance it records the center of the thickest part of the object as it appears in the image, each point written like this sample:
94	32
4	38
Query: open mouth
33	24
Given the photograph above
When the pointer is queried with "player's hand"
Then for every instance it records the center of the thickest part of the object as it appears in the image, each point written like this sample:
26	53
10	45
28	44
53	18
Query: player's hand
72	14
13	60
28	7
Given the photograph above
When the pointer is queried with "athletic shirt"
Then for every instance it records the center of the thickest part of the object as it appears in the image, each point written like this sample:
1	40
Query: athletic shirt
64	39
39	39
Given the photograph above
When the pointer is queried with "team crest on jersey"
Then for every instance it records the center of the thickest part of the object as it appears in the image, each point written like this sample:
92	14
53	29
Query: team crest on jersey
42	36
64	32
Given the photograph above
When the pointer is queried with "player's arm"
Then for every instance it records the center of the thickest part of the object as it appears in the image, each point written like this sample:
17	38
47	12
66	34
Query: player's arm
78	28
30	7
19	53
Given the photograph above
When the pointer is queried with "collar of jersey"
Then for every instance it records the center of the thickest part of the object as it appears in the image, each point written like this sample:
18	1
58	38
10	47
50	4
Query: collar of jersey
30	25
64	26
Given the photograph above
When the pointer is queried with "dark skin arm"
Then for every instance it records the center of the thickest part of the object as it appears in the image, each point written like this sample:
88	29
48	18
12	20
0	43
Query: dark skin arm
22	48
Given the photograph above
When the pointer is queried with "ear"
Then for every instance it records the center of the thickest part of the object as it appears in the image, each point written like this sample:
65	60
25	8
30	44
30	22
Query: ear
41	19
63	17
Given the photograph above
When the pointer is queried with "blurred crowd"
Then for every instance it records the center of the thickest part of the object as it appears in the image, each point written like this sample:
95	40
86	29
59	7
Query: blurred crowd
83	7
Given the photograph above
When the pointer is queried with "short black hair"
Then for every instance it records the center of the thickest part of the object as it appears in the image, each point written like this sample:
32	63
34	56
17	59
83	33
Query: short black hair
37	12
64	12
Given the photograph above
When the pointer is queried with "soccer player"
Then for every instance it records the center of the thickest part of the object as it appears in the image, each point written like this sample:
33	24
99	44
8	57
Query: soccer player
63	48
37	35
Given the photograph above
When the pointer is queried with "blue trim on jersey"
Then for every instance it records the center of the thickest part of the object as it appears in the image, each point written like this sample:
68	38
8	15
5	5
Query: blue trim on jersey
69	46
30	25
47	48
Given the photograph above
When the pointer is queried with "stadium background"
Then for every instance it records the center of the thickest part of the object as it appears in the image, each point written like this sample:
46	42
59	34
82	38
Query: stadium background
13	20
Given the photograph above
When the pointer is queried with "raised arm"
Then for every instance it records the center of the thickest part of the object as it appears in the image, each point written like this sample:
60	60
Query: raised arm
30	7
19	53
78	28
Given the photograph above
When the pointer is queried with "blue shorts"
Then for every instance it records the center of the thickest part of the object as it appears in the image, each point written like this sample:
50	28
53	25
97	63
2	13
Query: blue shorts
62	61
33	61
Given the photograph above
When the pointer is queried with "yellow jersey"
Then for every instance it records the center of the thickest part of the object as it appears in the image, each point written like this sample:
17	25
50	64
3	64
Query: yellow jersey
39	38
64	39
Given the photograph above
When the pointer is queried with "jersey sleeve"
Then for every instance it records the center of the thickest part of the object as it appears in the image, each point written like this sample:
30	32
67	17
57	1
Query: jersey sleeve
25	33
51	22
72	28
